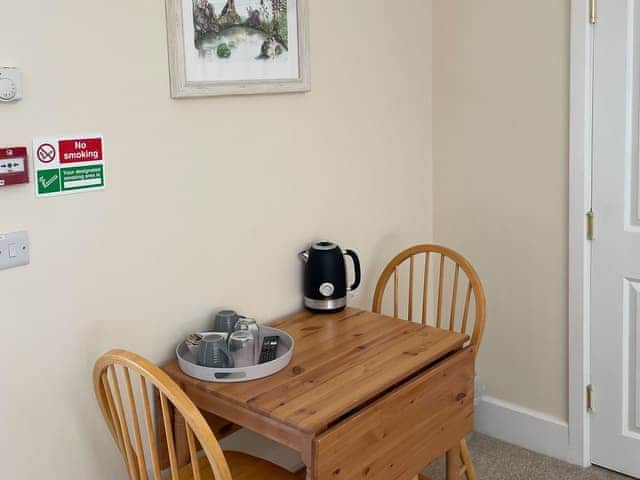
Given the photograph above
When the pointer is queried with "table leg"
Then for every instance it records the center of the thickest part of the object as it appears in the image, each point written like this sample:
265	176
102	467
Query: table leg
161	438
180	438
453	463
301	474
179	435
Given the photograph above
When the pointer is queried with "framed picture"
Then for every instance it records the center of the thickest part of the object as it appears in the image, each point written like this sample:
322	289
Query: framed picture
238	47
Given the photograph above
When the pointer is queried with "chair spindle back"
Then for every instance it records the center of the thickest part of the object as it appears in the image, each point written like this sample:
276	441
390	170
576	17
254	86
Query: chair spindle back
124	406
442	257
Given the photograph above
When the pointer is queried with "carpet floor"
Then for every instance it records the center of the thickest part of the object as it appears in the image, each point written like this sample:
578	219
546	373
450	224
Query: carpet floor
495	460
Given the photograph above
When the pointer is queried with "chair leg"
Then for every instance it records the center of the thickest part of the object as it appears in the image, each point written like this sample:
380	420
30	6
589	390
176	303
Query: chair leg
467	461
459	463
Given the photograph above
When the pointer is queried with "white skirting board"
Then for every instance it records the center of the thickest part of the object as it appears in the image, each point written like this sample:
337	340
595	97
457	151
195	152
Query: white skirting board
522	427
261	447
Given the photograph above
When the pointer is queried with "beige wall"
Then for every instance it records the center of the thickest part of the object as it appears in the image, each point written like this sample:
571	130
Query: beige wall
501	94
208	200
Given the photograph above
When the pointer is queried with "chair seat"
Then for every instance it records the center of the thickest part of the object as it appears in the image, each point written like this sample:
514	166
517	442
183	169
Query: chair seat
243	467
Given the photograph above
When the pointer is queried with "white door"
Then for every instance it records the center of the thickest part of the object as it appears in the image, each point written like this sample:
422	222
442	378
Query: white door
615	280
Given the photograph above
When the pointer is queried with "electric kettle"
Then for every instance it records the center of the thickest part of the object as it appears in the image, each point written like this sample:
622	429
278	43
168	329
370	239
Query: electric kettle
325	276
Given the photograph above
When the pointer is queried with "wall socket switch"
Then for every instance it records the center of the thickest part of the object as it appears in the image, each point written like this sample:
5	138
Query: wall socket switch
14	250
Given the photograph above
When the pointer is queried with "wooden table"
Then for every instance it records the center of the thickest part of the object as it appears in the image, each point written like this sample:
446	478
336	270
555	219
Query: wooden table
365	396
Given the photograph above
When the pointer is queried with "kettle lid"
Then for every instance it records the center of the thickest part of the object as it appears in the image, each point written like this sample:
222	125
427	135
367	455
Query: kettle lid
324	245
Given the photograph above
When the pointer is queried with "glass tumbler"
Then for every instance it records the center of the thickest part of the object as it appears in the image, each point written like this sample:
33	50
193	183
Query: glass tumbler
242	346
251	326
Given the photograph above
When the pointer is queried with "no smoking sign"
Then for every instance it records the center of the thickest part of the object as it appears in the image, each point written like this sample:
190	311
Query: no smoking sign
65	165
46	153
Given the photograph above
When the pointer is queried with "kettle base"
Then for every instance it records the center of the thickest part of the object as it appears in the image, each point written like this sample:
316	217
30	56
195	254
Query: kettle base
325	306
335	310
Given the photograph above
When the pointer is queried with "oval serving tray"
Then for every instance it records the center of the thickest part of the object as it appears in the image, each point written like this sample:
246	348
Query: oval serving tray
189	365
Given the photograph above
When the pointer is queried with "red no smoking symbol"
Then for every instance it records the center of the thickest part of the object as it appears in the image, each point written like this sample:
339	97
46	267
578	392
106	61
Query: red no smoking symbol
46	153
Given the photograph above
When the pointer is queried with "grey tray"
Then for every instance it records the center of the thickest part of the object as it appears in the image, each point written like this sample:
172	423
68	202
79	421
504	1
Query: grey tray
189	365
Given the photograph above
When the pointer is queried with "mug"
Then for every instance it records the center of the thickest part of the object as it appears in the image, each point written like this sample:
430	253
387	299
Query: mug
213	352
225	321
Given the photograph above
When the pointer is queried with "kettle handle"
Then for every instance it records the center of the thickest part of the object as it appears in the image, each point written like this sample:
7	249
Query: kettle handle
356	265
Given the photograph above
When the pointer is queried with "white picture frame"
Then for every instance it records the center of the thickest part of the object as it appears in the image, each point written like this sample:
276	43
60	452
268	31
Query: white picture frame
197	74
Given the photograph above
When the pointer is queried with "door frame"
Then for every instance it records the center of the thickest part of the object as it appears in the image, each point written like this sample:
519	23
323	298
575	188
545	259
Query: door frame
580	169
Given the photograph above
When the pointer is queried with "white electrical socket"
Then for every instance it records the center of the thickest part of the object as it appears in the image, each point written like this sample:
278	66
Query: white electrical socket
14	250
10	84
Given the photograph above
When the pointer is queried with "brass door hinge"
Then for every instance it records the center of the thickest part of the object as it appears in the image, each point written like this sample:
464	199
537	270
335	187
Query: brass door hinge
590	225
593	12
589	398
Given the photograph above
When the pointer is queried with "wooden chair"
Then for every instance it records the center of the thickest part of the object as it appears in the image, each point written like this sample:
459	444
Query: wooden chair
127	411
458	266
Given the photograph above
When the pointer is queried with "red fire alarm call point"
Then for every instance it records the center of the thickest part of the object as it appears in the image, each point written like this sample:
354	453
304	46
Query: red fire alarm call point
14	166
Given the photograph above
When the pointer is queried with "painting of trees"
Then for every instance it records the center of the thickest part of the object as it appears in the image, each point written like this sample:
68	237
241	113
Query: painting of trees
266	16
